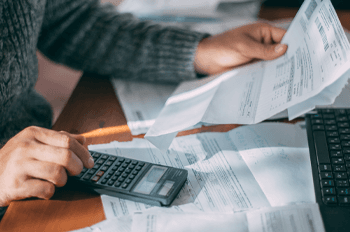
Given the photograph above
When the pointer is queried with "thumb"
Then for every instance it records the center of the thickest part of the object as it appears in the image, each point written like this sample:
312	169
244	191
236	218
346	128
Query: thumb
273	51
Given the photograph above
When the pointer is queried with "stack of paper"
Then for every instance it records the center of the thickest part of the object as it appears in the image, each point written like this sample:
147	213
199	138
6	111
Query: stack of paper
313	72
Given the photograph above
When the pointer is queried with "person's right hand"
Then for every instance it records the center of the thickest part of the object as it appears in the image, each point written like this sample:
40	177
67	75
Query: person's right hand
36	160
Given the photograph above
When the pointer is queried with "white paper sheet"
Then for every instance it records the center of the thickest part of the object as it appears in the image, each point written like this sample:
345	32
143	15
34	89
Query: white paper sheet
317	56
222	176
304	218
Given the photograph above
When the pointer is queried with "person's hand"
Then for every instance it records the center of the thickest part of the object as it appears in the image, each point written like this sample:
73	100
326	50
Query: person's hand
36	160
232	48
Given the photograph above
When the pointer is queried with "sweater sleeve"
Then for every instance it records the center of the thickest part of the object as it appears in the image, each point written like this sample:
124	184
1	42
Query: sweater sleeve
93	37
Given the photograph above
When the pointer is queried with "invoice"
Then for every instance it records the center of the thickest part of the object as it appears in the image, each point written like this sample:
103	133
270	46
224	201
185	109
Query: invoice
317	57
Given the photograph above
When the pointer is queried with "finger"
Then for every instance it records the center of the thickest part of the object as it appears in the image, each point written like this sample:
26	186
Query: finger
277	34
80	138
51	172
61	156
63	140
258	50
34	188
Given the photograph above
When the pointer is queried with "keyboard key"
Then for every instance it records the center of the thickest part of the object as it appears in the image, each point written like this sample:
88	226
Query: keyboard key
334	146
327	183
336	154
342	119
339	168
332	133
334	140
330	200
330	122
342	183
343	191
317	127
325	167
341	175
345	137
337	160
317	121
321	147
344	200
328	191
344	130
326	175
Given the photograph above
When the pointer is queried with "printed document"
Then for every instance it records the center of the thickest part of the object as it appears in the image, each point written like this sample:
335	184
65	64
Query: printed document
246	168
301	217
306	218
317	57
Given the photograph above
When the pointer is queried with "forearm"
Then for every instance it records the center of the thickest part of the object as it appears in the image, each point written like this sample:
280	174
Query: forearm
95	38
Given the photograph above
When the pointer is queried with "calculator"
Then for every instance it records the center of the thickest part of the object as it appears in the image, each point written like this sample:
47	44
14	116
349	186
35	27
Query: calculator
132	179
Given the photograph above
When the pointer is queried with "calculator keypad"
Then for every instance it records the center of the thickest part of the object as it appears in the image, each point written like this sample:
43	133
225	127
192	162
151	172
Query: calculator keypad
112	171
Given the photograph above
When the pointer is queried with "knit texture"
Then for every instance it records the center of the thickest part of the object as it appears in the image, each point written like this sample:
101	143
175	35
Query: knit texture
84	35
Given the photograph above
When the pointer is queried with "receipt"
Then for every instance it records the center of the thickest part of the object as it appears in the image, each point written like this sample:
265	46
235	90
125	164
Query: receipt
317	57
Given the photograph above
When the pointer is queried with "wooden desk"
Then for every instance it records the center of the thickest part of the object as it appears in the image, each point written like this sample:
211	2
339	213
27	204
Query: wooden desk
93	110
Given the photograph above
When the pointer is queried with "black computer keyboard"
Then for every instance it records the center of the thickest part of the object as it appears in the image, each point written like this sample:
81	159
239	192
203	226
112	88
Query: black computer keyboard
329	141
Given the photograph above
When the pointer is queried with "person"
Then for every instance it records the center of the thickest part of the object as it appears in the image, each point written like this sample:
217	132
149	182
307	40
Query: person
93	37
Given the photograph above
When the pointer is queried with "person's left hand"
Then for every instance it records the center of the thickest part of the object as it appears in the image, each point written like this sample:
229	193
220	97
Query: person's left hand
238	46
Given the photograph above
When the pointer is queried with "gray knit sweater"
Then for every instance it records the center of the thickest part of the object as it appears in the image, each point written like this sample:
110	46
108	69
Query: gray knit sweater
84	35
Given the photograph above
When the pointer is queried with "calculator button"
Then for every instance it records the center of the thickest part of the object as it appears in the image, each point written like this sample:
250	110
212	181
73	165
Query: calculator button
345	137
141	164
138	168
111	172
96	155
317	127
131	176
134	162
101	161
100	173
128	171
114	178
97	166
108	176
110	183
104	181
92	171
80	175
84	170
118	173
135	172
87	177
95	178
124	175
124	165
118	163
112	158
121	169
337	160
125	185
108	163
128	181
117	184
104	168
121	179
121	159
127	161
131	166
104	157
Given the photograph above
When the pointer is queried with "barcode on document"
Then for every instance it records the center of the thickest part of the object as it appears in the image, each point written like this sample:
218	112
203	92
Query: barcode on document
310	9
322	33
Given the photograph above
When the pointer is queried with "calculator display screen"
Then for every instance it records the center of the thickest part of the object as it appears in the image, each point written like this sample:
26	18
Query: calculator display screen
150	180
